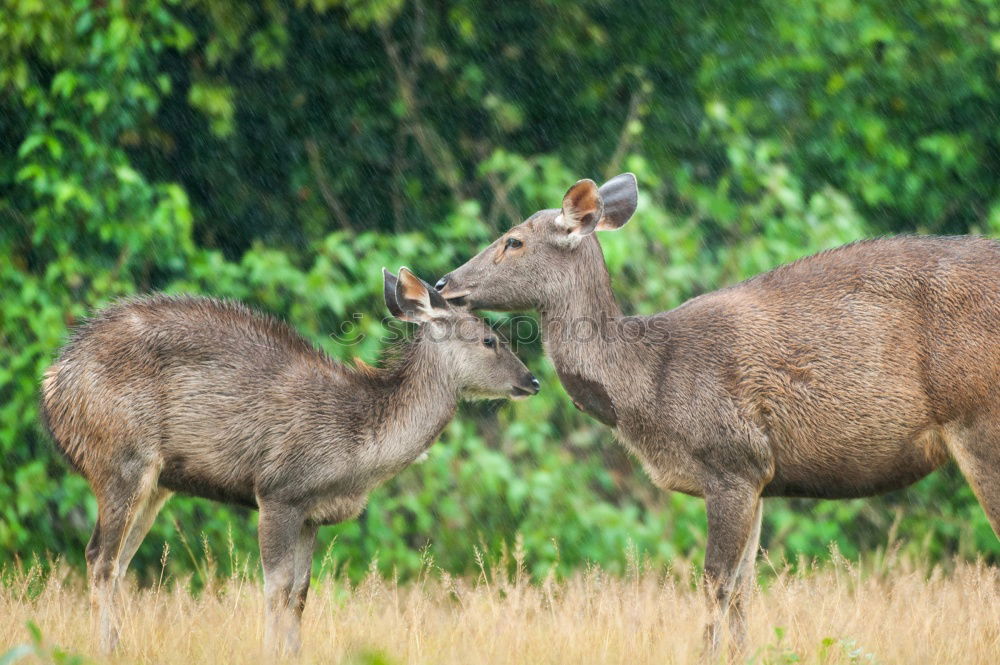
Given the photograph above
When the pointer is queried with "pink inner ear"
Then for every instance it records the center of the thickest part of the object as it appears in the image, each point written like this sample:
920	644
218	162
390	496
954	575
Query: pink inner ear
412	289
582	200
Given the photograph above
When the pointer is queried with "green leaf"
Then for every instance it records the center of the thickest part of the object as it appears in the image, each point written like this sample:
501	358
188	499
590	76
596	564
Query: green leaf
29	144
15	654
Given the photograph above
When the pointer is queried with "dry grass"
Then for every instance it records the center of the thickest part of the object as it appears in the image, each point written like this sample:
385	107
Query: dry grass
899	613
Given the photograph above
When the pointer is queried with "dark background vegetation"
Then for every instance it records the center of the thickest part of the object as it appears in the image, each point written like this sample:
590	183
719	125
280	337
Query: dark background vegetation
283	152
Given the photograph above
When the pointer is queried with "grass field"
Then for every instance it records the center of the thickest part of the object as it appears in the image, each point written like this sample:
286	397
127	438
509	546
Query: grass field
834	613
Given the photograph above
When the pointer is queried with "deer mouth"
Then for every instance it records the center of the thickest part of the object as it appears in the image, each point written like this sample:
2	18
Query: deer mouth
455	296
520	393
527	389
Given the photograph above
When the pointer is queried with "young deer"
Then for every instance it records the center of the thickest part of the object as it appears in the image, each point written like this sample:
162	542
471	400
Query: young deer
846	374
161	395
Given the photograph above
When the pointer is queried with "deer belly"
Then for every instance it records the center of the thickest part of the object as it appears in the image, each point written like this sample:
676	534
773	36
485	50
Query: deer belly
841	470
335	509
187	476
208	467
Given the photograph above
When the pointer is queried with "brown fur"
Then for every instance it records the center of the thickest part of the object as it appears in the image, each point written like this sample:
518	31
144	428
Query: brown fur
844	374
180	394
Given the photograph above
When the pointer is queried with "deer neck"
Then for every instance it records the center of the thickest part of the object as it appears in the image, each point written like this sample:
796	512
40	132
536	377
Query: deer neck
582	334
411	405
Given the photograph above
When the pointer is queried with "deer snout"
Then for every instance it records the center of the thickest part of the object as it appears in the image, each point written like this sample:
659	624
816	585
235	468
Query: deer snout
450	292
527	387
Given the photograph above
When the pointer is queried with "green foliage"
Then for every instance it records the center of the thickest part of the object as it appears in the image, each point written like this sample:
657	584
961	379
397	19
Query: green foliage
282	154
891	104
369	657
830	650
42	652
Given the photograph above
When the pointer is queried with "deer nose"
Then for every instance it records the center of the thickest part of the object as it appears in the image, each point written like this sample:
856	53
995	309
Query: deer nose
533	382
441	282
527	386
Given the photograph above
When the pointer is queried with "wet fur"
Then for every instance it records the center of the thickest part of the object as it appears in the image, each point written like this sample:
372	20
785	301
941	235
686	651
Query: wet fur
234	401
845	374
206	397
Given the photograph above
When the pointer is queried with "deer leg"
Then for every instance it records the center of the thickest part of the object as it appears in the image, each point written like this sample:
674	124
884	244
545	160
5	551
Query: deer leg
977	452
141	527
732	510
92	553
303	569
746	577
93	548
279	532
119	508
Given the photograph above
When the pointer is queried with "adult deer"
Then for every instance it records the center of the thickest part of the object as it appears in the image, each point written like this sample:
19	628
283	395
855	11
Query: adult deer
846	374
161	395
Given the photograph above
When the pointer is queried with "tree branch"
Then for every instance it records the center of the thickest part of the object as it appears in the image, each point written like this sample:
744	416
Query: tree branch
434	148
319	174
625	136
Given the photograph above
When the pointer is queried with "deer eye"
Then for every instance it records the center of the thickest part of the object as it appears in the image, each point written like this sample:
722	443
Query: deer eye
514	243
490	342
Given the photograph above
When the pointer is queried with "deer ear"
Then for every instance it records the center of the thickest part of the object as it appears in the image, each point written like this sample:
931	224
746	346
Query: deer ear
389	292
620	196
417	301
582	208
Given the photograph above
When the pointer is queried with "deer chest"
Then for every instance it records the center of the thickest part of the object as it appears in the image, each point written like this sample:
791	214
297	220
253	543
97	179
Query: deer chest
590	396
